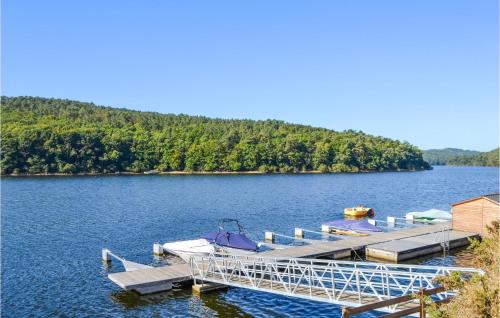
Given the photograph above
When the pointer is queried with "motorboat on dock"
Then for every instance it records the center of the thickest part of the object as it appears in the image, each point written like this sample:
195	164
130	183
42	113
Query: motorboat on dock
221	241
232	242
432	215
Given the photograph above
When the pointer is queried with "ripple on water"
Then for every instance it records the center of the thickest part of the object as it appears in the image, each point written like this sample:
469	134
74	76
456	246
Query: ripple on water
53	230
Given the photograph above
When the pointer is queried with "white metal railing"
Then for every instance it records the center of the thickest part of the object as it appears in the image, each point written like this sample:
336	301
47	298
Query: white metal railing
339	282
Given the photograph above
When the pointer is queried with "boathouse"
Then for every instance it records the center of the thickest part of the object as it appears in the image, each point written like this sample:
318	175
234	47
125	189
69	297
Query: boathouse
473	215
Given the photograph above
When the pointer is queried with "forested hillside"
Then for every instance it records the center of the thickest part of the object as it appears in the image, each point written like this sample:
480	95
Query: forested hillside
42	135
460	157
441	156
490	158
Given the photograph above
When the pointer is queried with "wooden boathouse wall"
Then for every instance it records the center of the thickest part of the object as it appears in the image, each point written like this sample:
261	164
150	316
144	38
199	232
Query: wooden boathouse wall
475	214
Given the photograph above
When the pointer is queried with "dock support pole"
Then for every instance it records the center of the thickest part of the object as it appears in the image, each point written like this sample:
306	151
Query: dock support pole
198	289
269	237
157	249
391	221
372	222
299	233
106	258
325	228
345	312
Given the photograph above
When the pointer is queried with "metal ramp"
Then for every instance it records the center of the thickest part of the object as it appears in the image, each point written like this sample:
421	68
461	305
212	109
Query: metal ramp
338	282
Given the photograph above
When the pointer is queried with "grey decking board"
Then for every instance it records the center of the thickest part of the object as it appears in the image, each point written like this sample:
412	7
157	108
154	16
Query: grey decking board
407	248
355	243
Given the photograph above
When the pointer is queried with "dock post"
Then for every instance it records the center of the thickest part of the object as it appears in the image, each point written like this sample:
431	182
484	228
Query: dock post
345	312
299	233
157	249
410	219
198	289
269	236
106	258
325	228
391	221
372	221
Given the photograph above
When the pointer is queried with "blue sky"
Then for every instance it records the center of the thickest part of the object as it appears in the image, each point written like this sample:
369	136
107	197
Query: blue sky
421	71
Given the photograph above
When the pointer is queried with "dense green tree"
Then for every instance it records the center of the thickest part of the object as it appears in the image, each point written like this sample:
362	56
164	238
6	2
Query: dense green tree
460	157
42	135
490	158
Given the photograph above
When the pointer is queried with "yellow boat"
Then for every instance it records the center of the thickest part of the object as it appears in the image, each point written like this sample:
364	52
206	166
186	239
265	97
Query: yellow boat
359	211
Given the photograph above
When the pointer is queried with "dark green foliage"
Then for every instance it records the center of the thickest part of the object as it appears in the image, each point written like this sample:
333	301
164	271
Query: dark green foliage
460	157
490	158
438	157
42	135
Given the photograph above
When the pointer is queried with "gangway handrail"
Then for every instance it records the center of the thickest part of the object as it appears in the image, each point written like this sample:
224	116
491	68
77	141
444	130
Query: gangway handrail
344	262
339	282
347	312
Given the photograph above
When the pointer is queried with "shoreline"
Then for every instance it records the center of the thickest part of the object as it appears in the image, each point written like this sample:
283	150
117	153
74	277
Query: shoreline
191	173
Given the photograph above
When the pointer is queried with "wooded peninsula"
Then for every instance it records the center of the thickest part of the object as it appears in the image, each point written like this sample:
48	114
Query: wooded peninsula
461	157
47	136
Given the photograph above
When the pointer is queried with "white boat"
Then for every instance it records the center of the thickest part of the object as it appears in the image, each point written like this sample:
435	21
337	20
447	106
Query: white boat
232	242
221	241
432	215
185	249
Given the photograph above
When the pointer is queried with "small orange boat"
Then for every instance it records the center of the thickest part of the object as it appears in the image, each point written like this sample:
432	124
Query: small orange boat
359	211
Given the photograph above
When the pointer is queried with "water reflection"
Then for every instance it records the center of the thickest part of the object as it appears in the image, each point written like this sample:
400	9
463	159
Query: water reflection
209	304
461	257
219	306
132	300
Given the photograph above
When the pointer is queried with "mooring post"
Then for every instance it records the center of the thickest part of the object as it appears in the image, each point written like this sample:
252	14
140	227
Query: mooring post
157	249
269	236
325	228
422	302
372	221
106	258
391	221
299	233
345	312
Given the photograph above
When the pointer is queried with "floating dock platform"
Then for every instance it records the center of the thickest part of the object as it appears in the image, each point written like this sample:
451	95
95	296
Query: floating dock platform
152	280
417	246
343	248
393	246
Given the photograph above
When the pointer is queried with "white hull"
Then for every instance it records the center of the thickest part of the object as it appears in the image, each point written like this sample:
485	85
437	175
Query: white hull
235	251
185	249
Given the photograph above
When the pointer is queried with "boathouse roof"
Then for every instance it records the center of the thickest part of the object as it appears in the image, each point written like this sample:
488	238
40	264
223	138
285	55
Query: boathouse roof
493	197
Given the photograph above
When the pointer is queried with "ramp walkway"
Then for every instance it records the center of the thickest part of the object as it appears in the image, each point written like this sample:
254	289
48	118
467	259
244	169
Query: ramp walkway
337	282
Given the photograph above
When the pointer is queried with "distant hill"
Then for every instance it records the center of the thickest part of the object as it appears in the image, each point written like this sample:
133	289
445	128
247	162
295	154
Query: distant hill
41	135
438	157
461	157
490	158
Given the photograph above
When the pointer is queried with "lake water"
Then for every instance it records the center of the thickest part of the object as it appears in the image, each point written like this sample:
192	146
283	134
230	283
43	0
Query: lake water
53	229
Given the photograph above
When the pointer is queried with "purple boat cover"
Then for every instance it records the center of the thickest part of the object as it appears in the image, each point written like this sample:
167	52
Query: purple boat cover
355	225
229	239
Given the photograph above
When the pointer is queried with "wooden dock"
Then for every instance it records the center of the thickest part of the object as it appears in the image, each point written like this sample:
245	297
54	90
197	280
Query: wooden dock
152	280
394	246
343	248
413	247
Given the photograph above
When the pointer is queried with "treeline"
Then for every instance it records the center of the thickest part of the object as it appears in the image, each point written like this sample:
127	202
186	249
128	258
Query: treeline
490	158
460	157
42	135
439	157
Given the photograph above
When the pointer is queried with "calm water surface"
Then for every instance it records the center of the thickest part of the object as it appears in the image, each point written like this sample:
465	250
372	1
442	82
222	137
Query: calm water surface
53	230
